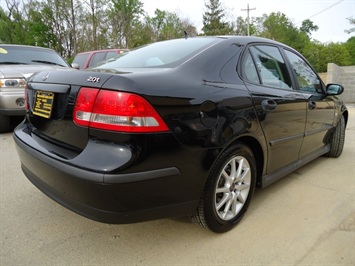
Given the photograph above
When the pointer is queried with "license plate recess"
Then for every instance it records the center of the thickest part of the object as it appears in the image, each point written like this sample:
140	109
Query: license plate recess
43	104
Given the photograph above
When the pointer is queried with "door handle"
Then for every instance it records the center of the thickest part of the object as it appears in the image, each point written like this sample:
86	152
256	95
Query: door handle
312	105
268	105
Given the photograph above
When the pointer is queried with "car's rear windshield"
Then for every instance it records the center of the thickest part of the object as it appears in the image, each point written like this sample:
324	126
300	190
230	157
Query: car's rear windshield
160	54
29	55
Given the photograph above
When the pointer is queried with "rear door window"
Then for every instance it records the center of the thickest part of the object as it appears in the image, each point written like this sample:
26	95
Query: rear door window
80	59
96	58
307	79
266	63
249	69
110	54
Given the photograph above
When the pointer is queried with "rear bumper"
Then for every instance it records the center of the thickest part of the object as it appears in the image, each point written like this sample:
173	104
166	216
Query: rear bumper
101	196
102	215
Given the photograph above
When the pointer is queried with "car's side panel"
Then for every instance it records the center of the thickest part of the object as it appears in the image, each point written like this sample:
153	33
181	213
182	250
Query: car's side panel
283	126
320	109
320	119
287	169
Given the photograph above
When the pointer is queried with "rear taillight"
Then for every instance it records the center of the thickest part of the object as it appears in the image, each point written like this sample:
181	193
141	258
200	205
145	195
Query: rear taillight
83	106
117	111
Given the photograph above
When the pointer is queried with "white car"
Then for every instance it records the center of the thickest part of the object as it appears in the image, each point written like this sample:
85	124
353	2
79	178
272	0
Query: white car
17	64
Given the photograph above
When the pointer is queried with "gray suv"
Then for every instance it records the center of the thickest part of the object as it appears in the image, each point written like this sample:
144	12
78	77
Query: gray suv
17	64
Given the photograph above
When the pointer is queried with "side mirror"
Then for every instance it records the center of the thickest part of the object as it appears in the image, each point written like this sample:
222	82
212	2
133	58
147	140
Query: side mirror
335	89
75	65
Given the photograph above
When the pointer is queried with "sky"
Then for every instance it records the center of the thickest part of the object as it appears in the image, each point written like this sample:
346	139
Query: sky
329	15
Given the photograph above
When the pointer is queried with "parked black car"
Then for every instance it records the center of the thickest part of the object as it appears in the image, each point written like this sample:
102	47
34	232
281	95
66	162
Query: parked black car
181	127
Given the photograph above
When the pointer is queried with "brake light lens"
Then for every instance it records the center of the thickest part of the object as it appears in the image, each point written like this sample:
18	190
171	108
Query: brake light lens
83	106
116	111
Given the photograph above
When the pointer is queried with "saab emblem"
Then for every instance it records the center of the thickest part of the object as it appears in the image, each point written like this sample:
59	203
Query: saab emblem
46	76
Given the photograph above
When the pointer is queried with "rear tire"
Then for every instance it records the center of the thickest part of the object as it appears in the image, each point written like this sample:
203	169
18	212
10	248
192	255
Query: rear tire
228	190
4	123
337	139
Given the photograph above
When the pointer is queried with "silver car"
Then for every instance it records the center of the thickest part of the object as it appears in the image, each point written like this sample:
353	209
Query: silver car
17	64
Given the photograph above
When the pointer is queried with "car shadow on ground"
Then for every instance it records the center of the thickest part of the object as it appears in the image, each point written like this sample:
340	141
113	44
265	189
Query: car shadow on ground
14	121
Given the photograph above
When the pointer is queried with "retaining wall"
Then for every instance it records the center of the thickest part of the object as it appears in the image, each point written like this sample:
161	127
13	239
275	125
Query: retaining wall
344	76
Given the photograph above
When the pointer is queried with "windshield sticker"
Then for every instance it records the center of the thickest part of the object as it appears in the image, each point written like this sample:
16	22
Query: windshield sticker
3	51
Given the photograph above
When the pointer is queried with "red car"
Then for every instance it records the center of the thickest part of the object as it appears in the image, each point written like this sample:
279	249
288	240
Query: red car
89	59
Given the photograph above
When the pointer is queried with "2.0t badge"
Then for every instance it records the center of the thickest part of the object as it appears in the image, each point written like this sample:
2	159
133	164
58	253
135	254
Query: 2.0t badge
93	79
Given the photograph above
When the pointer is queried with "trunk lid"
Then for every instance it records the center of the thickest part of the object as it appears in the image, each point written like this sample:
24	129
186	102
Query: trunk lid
51	100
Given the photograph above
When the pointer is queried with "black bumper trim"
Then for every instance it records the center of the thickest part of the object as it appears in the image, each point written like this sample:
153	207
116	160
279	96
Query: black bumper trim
141	176
111	217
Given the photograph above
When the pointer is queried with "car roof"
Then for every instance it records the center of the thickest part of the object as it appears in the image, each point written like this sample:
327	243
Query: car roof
249	39
103	50
25	46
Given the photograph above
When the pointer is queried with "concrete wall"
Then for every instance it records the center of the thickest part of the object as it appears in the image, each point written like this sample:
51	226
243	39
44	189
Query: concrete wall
323	76
344	76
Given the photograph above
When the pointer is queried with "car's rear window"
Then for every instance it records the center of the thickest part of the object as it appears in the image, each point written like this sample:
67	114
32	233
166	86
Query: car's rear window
160	54
29	55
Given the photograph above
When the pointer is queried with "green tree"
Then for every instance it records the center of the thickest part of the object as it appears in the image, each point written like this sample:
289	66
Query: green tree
188	26
53	13
338	54
96	17
213	19
308	26
13	23
167	25
241	26
352	22
156	23
320	54
5	27
172	27
124	17
277	26
350	46
39	32
141	34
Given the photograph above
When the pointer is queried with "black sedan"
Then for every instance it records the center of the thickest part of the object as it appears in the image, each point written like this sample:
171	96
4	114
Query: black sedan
182	127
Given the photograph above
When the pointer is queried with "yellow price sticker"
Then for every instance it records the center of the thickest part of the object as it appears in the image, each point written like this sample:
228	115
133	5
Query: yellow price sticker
3	51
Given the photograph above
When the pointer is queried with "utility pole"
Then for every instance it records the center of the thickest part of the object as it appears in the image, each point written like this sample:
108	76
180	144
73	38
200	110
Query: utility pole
248	11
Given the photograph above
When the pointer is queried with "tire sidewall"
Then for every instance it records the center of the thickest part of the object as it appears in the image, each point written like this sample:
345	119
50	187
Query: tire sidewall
337	139
214	222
